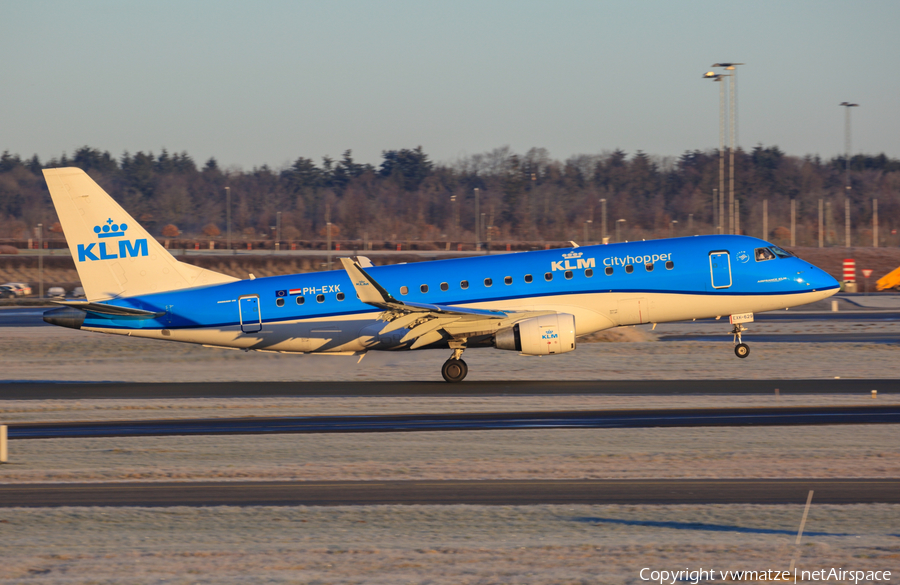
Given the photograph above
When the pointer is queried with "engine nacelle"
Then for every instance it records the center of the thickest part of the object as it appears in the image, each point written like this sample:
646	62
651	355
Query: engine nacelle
544	335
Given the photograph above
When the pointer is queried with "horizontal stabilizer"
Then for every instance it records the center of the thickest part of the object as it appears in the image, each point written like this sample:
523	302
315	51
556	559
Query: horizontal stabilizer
110	310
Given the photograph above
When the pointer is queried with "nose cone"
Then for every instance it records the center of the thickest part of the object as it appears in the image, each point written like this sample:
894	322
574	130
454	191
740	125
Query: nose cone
820	280
65	317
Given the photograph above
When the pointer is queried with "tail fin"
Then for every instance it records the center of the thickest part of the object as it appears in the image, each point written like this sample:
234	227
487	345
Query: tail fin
114	255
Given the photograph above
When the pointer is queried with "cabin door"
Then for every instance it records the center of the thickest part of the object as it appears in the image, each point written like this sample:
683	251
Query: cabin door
248	308
720	269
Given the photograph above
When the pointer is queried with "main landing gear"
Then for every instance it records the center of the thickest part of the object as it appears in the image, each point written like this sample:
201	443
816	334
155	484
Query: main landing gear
741	349
455	369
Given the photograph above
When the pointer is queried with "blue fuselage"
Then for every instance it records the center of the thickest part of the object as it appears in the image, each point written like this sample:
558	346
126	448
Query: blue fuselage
680	278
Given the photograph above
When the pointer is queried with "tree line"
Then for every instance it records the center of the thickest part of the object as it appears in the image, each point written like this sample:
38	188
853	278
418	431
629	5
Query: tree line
521	197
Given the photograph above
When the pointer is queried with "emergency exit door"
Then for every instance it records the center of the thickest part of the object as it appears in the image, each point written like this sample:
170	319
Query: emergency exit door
720	269
248	308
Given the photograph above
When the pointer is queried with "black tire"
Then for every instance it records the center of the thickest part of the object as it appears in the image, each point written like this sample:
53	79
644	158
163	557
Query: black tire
742	350
454	370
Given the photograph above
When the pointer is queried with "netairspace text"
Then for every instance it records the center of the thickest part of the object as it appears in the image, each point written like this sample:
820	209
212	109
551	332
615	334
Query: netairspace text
686	575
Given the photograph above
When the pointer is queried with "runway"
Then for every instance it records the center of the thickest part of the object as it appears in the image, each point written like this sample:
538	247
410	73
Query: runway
28	390
615	419
451	492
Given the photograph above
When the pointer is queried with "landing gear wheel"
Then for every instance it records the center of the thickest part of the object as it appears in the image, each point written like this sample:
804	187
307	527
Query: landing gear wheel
454	370
742	350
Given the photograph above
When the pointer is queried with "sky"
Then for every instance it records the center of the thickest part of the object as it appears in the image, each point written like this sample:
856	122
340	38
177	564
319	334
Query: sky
266	82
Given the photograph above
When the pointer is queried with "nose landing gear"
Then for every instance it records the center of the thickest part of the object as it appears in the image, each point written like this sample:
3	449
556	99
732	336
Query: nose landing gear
741	349
455	369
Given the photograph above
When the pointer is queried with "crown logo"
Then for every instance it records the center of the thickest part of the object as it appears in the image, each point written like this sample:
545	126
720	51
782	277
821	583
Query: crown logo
110	229
573	255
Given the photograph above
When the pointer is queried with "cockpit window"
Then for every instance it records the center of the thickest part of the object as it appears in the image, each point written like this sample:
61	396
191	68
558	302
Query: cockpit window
781	253
764	254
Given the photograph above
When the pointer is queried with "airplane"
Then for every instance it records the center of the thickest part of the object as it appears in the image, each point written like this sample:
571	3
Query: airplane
535	303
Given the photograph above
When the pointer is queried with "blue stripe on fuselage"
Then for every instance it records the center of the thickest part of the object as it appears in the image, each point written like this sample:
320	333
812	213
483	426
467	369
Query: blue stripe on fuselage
202	307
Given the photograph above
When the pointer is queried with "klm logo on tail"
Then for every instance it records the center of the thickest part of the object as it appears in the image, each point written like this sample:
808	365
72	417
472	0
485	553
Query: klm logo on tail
126	248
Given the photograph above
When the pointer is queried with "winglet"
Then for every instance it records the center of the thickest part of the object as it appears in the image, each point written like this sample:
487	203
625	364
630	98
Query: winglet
369	291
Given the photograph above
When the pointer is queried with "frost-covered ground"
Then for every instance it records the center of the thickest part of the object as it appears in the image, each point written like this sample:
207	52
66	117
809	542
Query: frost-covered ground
54	353
741	452
433	544
442	544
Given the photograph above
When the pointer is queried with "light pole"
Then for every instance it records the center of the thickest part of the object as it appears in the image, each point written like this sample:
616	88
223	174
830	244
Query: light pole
587	231
793	222
847	221
847	186
821	225
278	230
477	221
453	209
733	115
603	219
720	78
40	234
874	223
482	224
672	226
847	106
228	216
619	222
717	212
328	234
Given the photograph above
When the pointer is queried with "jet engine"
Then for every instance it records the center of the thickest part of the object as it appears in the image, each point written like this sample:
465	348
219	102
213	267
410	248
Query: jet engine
544	335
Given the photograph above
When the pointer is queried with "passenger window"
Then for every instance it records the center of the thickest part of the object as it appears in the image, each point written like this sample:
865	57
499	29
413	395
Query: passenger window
763	254
568	275
464	284
528	278
629	269
507	280
548	276
648	267
404	290
488	282
300	300
320	298
279	301
609	271
670	265
424	288
589	272
340	296
445	286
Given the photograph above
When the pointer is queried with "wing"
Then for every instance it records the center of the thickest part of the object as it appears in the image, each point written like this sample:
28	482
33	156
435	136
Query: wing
429	323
